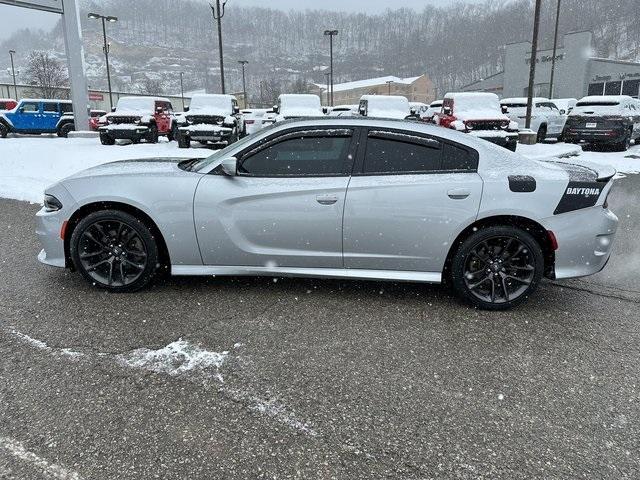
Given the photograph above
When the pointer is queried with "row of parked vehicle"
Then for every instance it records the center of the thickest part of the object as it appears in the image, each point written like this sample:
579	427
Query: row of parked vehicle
218	120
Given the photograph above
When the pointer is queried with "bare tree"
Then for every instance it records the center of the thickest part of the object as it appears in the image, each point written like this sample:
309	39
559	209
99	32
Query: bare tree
151	86
47	75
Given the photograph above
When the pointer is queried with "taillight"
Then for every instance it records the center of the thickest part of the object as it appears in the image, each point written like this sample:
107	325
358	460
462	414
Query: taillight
553	241
249	122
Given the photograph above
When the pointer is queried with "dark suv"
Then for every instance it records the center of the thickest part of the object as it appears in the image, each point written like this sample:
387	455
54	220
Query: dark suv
604	120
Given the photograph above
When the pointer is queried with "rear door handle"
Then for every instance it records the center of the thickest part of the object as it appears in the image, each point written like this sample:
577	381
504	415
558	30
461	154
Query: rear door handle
459	193
326	199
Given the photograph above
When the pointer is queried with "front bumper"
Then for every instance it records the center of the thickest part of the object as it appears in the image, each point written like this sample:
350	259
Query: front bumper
127	132
49	228
585	240
206	133
498	137
591	135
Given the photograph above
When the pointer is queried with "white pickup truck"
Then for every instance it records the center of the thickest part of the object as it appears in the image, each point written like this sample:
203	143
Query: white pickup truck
546	119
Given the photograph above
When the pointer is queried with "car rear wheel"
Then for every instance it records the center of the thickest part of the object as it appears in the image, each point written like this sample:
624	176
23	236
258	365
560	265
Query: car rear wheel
65	129
106	139
115	251
497	268
625	144
542	133
171	134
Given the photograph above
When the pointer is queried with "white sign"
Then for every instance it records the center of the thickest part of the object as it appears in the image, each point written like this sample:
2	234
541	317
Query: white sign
54	6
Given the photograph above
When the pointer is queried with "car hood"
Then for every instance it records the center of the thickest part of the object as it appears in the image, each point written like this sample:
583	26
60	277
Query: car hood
135	167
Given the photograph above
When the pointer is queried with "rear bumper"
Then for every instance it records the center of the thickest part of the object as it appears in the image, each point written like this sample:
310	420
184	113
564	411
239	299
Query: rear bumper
607	135
585	240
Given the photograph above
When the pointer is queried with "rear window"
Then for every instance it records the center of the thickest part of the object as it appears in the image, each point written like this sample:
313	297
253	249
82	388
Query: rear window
458	159
49	107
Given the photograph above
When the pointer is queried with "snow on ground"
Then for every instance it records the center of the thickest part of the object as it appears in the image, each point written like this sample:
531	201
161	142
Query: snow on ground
30	164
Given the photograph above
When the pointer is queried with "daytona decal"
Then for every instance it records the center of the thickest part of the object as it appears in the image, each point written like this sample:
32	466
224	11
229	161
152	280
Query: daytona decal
580	195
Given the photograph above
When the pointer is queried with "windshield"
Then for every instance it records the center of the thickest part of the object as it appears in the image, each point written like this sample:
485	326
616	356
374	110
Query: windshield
210	102
135	104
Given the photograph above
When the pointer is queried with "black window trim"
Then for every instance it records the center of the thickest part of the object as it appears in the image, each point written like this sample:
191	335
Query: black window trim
358	170
297	132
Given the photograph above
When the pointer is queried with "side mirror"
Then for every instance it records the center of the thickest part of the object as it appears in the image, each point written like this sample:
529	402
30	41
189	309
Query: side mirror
504	109
412	110
276	109
113	109
325	110
229	166
186	109
236	109
21	109
159	110
362	111
446	110
562	111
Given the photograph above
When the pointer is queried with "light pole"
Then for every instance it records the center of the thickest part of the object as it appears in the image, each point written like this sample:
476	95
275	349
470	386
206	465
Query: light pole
327	74
13	73
105	19
555	47
331	34
182	90
218	12
532	66
244	84
389	82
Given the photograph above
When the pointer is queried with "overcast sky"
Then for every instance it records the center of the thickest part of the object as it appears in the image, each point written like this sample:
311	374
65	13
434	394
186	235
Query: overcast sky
15	18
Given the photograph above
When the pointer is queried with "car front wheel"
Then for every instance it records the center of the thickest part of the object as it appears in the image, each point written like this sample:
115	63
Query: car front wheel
497	268
115	251
106	139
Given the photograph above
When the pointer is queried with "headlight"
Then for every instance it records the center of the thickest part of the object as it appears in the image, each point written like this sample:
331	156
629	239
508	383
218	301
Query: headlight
51	203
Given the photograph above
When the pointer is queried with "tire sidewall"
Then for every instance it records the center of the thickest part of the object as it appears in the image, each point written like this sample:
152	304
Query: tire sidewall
143	231
460	257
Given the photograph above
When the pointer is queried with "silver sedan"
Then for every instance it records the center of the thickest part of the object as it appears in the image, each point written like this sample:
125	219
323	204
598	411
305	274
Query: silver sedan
354	198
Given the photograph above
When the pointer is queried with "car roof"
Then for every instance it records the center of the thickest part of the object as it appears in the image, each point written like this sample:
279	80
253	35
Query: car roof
523	100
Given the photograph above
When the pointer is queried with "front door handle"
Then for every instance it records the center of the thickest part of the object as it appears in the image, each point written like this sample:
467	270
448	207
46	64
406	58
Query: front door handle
459	193
326	199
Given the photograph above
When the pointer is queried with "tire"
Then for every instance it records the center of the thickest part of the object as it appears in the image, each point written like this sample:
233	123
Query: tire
183	141
106	139
152	135
115	251
542	133
625	144
494	260
172	133
512	146
3	130
65	129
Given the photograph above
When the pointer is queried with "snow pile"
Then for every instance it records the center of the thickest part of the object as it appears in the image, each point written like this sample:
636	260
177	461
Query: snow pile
476	106
28	165
177	358
542	151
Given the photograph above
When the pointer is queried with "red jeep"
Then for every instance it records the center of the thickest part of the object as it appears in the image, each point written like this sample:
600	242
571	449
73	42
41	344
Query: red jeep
139	118
478	114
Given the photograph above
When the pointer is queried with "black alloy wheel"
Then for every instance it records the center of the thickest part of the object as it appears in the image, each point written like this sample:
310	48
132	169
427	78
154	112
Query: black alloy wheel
498	267
114	250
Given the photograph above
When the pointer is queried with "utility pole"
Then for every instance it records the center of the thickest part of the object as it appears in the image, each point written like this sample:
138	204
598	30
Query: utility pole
182	90
532	66
105	19
389	82
331	34
555	48
218	13
244	84
13	73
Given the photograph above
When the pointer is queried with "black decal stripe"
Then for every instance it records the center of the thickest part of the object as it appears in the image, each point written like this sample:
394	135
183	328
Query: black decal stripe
579	195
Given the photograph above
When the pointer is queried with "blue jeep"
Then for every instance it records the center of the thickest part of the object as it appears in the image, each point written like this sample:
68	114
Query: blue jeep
38	116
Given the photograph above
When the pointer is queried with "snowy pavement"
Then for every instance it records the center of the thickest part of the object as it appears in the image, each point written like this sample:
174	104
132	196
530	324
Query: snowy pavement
240	378
29	164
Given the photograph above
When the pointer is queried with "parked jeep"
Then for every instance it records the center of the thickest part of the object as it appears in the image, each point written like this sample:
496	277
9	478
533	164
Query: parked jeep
139	118
211	119
7	104
34	116
386	106
478	114
67	122
297	105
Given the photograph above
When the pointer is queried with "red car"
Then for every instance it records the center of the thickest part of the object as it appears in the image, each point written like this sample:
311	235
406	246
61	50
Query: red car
94	118
8	104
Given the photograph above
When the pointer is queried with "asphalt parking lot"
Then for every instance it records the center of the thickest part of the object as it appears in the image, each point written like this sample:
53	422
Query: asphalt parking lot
261	378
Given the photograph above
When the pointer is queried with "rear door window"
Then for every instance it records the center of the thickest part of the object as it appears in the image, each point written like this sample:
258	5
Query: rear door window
50	107
390	152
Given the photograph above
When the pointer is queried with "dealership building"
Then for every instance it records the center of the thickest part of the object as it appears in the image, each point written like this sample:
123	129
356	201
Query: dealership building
577	73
